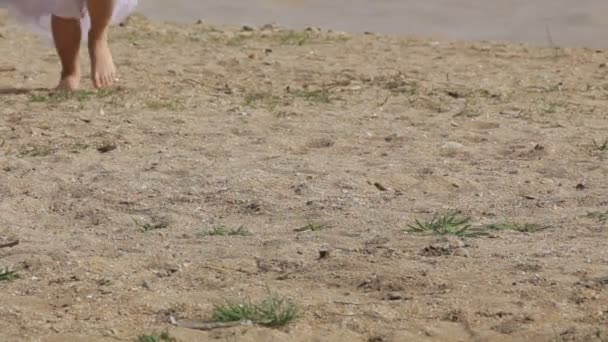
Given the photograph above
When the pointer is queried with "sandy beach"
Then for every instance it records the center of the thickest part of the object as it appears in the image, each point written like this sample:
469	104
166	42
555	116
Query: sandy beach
233	163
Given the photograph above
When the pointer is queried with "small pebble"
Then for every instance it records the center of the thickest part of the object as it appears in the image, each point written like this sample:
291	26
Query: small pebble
461	252
324	252
393	296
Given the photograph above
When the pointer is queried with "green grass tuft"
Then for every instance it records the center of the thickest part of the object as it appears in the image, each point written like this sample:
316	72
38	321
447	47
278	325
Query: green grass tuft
37	151
223	231
451	223
274	311
155	337
8	275
314	96
158	105
264	99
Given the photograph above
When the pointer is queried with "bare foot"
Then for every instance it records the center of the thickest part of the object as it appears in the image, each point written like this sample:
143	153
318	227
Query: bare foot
69	83
102	66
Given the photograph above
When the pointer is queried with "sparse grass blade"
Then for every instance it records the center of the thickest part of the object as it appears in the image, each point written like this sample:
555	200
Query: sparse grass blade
598	215
293	37
8	275
518	227
265	99
603	146
146	227
155	337
223	231
314	96
56	97
312	227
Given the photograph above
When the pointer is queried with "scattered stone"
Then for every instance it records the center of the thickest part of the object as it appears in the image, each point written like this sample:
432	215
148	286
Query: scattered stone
452	148
270	27
481	125
324	251
8	244
391	137
447	245
461	252
380	186
313	29
600	283
453	242
393	296
321	143
107	147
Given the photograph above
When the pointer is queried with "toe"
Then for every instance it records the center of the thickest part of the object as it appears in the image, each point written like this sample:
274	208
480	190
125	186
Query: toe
98	81
108	81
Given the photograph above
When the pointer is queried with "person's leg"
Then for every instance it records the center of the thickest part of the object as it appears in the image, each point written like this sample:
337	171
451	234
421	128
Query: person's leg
102	65
67	36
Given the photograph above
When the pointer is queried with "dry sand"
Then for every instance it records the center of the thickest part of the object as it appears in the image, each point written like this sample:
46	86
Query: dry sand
273	129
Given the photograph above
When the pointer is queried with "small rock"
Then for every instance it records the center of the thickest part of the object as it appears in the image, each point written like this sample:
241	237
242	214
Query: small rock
435	251
380	186
270	27
452	148
107	147
365	283
452	242
393	296
461	252
324	252
109	333
391	137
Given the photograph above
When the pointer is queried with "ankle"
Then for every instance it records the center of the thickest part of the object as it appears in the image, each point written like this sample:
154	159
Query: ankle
98	36
75	72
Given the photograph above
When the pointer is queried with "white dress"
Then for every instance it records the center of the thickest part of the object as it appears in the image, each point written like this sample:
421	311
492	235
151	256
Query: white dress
37	13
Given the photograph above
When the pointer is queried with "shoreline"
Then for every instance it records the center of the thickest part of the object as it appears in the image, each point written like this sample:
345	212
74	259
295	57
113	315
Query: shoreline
547	41
583	26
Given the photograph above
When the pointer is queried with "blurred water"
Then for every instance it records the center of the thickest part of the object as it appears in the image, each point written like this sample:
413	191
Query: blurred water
567	22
